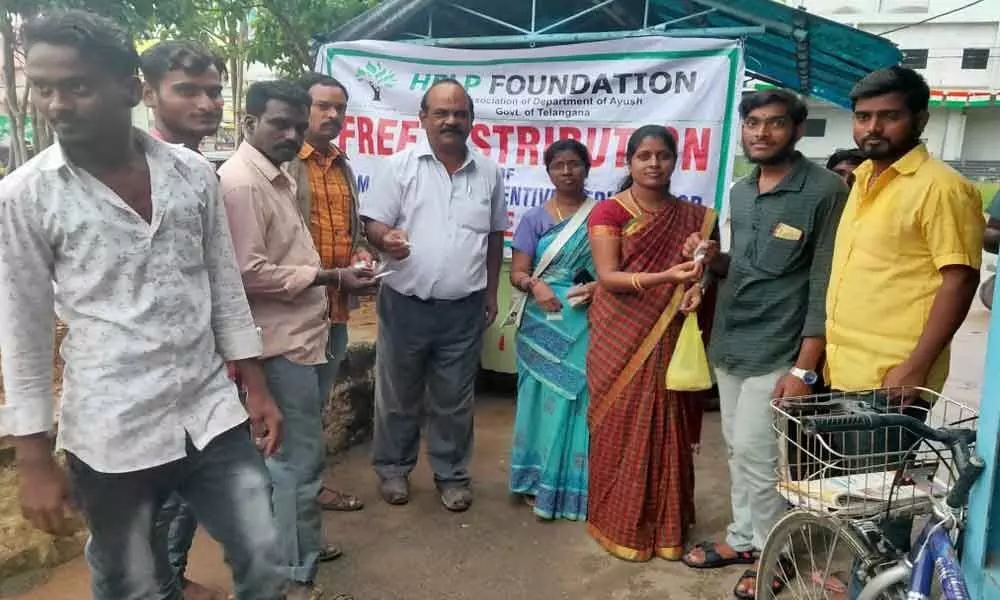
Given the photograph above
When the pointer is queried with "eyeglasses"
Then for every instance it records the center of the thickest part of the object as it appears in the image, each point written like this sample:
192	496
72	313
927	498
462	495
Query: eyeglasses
770	124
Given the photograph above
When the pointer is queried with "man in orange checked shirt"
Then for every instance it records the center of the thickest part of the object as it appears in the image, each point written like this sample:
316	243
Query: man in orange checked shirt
328	201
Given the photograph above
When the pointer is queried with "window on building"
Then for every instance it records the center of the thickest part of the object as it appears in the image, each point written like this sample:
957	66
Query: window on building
915	58
815	128
975	59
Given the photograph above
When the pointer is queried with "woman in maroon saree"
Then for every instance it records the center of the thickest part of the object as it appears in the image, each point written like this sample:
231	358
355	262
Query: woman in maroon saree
641	497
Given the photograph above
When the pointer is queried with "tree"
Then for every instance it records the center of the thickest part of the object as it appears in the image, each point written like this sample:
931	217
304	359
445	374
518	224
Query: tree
223	25
284	30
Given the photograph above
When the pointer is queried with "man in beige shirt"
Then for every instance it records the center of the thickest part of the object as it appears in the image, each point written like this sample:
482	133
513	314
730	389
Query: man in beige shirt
286	286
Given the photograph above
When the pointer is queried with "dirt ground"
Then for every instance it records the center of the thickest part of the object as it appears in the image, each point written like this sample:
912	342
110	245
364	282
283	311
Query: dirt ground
496	551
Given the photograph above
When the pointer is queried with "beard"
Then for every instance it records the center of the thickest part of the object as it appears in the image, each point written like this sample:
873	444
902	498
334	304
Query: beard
881	148
781	155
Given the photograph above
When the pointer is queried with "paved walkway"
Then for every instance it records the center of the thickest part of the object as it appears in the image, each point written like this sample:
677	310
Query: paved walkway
498	551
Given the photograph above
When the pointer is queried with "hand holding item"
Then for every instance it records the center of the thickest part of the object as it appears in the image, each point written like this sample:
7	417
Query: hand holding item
900	382
581	294
684	272
396	244
706	251
545	297
691	244
265	420
357	280
691	300
790	386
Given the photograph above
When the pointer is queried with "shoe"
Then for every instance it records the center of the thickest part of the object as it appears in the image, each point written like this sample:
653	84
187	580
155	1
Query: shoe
395	491
330	552
456	499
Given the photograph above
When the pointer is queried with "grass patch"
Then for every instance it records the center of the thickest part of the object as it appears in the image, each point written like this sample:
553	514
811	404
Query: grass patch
988	190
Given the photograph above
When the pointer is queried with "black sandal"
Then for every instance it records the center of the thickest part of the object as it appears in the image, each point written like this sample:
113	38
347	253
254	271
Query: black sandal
777	585
714	560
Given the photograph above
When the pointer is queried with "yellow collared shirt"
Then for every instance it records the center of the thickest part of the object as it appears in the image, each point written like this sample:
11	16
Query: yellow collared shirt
895	235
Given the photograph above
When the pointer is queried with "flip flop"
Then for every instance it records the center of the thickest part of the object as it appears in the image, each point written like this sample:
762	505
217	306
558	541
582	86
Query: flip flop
714	560
777	585
342	502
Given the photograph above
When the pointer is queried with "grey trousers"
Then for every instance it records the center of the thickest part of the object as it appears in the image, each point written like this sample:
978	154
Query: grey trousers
426	349
752	444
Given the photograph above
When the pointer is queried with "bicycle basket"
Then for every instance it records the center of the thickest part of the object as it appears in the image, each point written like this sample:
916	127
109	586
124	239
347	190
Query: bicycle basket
862	474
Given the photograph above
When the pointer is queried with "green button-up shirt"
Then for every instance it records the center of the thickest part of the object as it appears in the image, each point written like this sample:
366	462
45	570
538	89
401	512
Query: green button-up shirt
775	291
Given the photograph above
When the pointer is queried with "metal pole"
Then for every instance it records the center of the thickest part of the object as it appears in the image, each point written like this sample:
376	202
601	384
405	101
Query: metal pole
533	11
645	14
702	13
486	17
576	16
563	38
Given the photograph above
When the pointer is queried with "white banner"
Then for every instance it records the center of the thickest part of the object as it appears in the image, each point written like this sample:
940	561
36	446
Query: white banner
525	99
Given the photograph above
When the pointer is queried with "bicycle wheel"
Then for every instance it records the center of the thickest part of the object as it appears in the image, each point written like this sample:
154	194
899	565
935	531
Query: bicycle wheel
814	557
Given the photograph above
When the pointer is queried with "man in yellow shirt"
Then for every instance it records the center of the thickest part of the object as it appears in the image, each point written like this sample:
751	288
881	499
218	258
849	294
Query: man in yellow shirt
905	265
908	250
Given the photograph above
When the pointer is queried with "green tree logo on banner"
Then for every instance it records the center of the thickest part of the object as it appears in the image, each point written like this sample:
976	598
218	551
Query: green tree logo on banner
377	77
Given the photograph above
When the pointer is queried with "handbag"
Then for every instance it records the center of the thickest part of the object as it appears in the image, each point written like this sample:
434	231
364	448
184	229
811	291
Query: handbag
688	370
519	299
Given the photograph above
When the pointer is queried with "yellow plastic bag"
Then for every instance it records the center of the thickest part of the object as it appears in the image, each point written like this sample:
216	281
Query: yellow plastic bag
688	370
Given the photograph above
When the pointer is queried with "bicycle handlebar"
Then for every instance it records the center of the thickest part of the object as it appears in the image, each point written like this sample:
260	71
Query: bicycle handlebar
968	465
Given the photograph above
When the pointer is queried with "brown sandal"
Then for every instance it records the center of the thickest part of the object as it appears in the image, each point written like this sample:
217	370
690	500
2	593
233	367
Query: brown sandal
342	501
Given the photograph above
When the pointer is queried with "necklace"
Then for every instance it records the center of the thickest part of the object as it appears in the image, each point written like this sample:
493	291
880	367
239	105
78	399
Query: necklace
559	212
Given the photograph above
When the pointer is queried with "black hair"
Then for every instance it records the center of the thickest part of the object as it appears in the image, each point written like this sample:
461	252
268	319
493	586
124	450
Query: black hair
260	92
189	56
797	109
566	145
635	140
94	37
310	80
448	81
892	80
853	156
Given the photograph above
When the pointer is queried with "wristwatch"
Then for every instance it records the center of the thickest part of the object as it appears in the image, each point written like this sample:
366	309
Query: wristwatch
808	377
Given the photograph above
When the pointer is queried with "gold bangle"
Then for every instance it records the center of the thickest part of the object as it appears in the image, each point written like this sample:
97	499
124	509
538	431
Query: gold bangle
636	284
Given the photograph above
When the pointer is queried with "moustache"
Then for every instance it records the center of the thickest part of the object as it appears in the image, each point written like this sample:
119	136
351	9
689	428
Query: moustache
873	138
451	130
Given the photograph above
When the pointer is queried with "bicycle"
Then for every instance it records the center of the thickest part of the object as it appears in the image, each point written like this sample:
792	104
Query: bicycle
847	498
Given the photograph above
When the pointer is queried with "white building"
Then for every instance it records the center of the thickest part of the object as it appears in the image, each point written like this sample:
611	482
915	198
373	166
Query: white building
958	53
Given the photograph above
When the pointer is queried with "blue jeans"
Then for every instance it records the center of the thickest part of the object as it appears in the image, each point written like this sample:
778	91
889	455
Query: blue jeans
297	467
176	524
227	487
